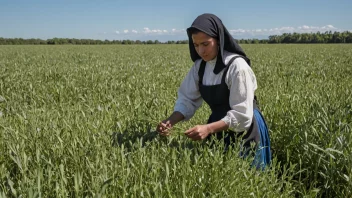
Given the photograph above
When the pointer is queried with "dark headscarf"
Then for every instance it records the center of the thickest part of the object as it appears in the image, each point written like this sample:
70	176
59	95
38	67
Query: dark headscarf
212	26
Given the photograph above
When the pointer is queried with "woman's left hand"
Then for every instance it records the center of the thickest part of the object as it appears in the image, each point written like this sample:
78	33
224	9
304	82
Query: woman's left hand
199	132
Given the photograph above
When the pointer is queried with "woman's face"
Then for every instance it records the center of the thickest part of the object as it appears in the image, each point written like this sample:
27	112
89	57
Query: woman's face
206	46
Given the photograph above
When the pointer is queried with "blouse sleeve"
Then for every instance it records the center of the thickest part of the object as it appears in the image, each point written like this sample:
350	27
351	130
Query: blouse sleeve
189	98
242	84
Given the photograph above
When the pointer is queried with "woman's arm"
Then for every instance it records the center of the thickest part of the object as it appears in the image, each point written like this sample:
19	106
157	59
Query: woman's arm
188	101
242	84
200	132
189	98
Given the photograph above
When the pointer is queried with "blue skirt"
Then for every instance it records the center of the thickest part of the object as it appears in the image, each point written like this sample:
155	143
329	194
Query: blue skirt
258	134
262	156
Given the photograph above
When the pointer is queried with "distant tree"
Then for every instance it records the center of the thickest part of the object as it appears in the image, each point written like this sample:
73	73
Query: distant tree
255	41
318	37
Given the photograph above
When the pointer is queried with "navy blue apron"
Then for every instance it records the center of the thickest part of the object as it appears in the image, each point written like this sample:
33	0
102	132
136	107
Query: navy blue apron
217	97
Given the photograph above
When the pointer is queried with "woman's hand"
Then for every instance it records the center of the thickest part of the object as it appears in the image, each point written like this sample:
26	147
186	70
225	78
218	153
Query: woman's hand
164	127
199	132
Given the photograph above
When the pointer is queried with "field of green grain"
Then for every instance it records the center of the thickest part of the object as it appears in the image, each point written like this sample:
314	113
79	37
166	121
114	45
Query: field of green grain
79	121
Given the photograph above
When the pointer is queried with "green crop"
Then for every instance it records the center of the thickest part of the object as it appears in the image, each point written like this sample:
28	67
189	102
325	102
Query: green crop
79	121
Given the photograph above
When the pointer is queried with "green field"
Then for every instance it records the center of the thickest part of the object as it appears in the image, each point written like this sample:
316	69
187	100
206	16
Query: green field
79	121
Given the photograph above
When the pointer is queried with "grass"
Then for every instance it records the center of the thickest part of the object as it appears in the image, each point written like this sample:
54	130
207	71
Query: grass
80	121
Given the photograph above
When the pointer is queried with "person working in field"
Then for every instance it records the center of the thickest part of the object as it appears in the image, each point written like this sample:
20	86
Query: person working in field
221	76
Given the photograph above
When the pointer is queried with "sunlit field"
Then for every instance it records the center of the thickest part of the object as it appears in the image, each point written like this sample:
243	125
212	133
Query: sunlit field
79	121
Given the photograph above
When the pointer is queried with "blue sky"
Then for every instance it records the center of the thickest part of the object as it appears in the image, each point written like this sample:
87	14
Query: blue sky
167	20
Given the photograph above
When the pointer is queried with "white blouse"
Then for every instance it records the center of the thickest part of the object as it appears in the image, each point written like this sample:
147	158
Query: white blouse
241	82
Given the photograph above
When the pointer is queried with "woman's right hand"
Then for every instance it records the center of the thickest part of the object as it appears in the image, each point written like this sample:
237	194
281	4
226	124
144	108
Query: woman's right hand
164	127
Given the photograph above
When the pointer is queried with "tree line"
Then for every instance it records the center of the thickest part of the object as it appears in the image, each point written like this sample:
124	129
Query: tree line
326	37
73	41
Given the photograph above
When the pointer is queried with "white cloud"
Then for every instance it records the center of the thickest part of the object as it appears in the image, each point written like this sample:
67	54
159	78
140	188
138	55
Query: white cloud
305	27
286	29
155	31
281	30
176	31
236	33
149	31
146	30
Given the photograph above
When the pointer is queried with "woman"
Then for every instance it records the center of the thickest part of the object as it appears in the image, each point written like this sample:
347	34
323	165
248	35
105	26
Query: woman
222	77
